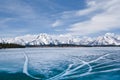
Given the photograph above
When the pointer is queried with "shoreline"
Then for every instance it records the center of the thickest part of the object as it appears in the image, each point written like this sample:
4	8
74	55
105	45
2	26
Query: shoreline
60	47
12	45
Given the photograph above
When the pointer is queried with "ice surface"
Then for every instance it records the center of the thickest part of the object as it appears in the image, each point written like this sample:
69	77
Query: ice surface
61	63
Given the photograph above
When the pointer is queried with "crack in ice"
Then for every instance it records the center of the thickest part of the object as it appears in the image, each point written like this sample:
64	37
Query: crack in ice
25	67
64	74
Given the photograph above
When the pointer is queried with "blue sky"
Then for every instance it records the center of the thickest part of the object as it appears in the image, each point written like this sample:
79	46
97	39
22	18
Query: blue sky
75	17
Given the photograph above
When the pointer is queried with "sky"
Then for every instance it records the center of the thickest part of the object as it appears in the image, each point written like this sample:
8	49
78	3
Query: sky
74	17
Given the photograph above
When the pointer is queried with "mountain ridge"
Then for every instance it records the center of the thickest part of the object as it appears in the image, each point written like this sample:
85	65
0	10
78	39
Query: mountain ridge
45	39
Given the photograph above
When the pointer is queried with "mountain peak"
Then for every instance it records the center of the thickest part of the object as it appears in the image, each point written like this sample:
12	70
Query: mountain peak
109	34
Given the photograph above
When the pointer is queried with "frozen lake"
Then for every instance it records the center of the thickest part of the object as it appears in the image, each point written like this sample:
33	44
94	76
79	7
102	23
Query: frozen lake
93	63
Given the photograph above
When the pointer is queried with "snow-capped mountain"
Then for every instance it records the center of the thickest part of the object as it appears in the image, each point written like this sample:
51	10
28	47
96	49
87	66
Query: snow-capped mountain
45	39
107	39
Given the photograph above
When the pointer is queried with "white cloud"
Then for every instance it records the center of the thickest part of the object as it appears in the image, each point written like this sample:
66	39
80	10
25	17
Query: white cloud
18	8
106	19
56	23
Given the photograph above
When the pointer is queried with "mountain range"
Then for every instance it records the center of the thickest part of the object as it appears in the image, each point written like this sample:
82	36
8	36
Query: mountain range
45	39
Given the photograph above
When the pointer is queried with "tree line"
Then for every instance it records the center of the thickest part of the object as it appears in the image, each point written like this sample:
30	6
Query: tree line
11	45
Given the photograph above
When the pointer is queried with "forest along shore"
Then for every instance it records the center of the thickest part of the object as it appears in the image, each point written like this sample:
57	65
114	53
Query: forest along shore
12	45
